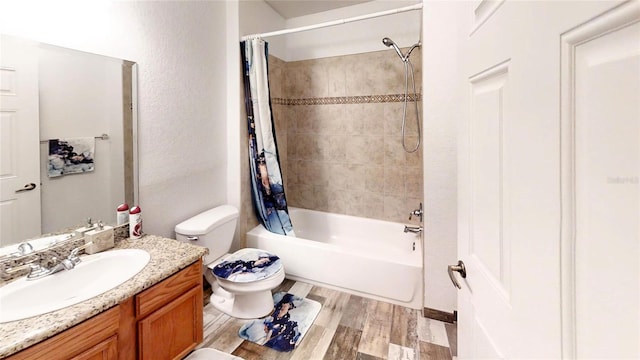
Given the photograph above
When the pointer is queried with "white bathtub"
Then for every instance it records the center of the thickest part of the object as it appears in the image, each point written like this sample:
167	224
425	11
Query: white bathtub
366	257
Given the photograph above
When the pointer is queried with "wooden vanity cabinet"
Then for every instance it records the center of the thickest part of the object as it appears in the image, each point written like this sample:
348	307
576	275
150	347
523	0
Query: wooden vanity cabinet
162	322
169	316
95	338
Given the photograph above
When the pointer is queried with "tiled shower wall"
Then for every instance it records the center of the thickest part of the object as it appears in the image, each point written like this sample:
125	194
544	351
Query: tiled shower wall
338	126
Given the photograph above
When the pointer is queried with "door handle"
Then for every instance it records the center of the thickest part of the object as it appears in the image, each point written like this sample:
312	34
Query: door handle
459	268
27	187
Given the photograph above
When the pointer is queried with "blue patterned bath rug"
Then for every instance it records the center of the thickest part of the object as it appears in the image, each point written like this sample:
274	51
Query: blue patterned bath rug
287	324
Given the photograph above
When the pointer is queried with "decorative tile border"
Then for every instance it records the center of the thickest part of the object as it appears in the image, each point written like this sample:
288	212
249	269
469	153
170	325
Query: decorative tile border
363	99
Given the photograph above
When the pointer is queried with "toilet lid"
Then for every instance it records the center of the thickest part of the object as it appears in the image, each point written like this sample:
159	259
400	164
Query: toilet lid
247	265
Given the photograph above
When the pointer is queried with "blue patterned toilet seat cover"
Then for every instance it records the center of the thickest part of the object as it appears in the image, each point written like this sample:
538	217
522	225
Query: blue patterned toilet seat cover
247	265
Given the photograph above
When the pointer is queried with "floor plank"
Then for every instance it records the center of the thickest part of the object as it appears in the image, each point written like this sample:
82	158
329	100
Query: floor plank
355	313
226	337
397	352
307	347
403	327
432	331
377	329
284	286
344	345
362	356
251	351
430	351
348	327
332	306
452	336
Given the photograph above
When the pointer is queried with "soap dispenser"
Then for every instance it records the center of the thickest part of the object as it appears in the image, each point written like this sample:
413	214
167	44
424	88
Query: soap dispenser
99	239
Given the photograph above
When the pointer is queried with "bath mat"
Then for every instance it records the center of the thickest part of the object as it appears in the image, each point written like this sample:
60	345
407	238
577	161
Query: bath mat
285	327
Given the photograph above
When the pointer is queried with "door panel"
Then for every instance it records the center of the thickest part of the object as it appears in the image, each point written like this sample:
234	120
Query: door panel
488	244
19	141
510	206
601	241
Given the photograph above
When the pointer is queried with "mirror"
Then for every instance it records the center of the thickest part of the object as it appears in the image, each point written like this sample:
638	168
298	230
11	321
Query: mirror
83	142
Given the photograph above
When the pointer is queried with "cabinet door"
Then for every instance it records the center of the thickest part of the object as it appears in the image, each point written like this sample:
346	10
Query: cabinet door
97	332
173	330
106	350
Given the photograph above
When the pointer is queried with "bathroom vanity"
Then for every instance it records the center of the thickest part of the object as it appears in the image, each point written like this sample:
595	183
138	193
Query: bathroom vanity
157	314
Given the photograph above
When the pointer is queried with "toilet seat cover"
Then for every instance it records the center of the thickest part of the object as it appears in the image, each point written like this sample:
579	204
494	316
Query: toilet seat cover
247	265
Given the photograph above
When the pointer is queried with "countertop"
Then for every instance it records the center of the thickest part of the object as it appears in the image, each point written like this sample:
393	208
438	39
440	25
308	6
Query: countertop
168	256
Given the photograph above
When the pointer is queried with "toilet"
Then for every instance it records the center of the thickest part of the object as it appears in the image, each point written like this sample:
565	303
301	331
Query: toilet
241	282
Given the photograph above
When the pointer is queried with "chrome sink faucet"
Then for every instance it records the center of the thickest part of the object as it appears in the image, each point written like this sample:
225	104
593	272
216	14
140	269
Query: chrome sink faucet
66	264
37	271
25	248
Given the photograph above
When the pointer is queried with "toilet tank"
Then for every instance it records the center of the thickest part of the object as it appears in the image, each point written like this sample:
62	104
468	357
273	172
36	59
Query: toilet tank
212	229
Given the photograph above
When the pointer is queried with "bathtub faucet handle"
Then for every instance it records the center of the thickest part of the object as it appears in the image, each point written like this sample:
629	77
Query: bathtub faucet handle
413	229
417	212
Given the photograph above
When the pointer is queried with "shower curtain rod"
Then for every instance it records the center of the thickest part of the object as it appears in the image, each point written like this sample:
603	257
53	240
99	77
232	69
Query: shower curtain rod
335	22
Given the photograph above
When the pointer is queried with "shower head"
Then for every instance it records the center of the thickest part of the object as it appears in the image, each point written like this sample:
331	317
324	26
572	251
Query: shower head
389	43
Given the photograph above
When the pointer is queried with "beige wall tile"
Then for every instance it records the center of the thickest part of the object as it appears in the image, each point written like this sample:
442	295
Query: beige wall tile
305	196
356	150
357	176
337	73
354	202
394	154
393	118
374	149
374	179
354	119
373	204
396	208
347	158
394	178
413	182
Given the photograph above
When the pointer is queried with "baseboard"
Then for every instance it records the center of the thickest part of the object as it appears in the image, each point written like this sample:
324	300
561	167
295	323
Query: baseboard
440	315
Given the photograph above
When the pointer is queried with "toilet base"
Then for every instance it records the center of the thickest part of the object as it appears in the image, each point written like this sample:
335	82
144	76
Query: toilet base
243	306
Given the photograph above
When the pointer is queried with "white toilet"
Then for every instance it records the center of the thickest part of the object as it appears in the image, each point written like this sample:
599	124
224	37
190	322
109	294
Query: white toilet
242	281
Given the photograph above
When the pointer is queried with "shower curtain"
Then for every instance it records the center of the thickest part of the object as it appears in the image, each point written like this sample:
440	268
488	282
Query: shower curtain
266	179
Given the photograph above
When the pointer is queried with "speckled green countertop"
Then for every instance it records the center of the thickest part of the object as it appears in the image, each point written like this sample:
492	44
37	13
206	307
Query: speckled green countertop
168	256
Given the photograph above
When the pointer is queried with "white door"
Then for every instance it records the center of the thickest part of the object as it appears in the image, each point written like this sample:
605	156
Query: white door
512	208
19	141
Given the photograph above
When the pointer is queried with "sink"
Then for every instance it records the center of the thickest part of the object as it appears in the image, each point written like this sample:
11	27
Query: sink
96	274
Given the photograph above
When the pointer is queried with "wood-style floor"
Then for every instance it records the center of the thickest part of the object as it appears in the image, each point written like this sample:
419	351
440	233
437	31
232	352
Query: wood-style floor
348	327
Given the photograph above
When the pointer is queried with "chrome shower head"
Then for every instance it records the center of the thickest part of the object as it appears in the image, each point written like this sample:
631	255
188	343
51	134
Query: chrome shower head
389	43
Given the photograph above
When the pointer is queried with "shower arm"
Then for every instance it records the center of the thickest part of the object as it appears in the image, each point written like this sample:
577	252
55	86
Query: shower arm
406	56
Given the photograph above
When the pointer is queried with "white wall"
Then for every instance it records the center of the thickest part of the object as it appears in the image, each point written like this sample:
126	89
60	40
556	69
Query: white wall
181	89
352	38
258	17
234	120
440	157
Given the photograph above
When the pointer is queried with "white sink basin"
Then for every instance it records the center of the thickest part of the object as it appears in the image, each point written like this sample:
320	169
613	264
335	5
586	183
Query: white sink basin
96	274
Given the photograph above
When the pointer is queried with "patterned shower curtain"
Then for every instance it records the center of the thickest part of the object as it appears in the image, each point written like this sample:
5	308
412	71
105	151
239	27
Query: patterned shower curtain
266	179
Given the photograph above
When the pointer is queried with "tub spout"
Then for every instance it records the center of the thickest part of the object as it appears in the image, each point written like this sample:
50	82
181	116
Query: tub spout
413	229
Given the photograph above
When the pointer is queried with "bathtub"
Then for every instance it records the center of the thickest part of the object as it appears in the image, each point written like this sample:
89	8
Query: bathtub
365	257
